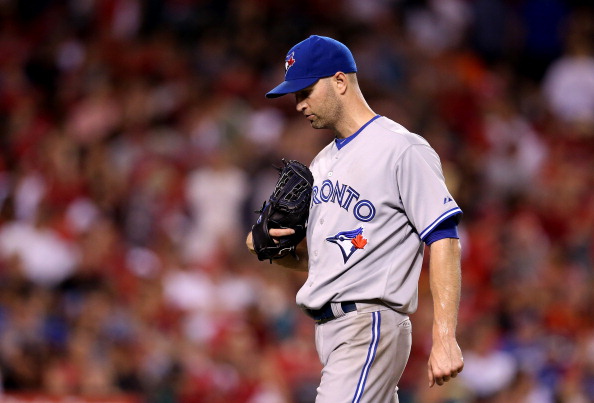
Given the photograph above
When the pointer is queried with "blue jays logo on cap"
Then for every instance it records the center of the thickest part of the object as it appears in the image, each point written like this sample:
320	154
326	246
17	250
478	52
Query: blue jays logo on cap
349	242
289	61
318	57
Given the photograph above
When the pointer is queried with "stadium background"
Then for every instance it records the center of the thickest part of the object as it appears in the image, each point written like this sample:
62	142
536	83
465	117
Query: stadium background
135	144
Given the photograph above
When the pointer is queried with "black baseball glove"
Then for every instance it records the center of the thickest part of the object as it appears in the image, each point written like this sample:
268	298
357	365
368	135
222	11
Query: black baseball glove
287	207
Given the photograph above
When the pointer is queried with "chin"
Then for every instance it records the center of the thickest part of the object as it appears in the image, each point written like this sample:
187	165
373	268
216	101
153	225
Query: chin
316	124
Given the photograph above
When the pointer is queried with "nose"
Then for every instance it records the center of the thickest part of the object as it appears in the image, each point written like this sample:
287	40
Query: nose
300	106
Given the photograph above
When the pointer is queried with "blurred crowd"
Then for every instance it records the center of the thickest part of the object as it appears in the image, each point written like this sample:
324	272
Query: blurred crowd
136	144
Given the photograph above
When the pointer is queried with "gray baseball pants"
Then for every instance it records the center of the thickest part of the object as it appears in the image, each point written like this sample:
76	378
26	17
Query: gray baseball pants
364	354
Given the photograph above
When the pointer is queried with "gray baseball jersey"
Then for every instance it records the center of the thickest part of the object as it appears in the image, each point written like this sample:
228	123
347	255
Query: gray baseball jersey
375	197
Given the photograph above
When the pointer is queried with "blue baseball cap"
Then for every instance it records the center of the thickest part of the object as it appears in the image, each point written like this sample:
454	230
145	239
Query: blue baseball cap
308	61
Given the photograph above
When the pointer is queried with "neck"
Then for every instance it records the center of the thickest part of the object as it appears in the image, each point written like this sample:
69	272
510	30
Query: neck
353	119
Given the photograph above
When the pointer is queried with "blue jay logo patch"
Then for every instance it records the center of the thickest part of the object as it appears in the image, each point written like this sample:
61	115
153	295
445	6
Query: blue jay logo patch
349	242
289	62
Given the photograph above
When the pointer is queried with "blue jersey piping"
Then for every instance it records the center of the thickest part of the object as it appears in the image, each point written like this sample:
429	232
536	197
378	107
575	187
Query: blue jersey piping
343	142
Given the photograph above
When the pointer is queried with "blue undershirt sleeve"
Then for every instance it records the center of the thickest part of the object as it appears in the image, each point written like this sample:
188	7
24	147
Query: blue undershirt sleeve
446	229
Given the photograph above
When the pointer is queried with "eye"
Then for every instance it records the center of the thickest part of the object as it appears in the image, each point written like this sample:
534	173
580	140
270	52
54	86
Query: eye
300	96
303	94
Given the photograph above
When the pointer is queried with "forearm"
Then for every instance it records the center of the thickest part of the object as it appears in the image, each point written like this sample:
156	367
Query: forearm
445	360
445	281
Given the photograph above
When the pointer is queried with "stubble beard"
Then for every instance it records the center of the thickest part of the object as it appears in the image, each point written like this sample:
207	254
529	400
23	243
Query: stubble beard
319	123
328	116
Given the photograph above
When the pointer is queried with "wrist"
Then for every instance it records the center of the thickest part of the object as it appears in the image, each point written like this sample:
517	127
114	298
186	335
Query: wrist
444	332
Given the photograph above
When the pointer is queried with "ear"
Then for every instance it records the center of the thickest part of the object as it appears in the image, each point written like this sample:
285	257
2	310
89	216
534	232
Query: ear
340	82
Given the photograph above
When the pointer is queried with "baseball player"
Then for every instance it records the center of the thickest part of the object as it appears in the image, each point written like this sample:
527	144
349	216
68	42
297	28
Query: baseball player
378	198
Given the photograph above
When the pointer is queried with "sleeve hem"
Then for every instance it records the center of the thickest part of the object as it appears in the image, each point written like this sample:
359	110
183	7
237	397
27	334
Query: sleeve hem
441	218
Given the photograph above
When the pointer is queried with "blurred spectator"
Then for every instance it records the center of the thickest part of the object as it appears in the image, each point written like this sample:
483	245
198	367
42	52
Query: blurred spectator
45	257
516	152
488	369
543	23
569	82
216	193
438	26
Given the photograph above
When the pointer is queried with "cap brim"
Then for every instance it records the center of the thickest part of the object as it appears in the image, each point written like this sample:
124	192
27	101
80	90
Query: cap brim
288	87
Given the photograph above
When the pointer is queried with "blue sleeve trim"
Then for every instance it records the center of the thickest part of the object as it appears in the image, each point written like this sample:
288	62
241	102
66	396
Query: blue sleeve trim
444	216
446	229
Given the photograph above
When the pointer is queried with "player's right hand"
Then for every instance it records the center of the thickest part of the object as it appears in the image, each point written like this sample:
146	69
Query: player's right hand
274	233
289	261
249	242
280	232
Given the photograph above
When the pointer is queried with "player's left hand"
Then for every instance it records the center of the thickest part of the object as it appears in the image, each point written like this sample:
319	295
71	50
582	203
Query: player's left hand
445	361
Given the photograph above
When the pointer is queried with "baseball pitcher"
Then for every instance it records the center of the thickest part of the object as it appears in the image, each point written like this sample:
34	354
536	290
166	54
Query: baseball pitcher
376	196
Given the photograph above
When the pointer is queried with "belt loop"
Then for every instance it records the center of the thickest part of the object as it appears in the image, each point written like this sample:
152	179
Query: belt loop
337	309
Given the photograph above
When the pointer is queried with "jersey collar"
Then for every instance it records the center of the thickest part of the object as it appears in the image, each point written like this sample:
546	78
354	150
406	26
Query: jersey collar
343	142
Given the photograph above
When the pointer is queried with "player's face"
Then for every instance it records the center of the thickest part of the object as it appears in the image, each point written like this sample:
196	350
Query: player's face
319	104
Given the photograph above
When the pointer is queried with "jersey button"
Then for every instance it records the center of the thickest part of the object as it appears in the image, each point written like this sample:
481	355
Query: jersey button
321	221
329	174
